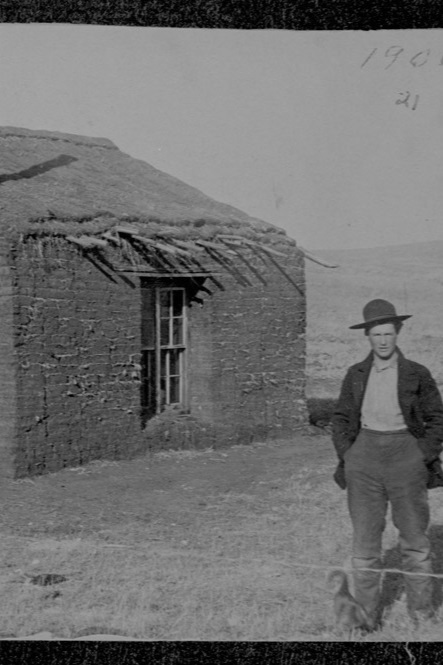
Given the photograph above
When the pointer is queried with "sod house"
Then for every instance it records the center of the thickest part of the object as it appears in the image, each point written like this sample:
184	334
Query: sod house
136	312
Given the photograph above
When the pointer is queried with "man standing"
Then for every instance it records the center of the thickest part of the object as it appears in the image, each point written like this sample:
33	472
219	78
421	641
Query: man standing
388	434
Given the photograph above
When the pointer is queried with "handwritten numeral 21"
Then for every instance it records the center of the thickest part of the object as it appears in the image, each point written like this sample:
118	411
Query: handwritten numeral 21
405	100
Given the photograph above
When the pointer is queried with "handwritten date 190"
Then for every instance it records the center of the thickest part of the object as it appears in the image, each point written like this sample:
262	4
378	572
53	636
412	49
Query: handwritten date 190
395	54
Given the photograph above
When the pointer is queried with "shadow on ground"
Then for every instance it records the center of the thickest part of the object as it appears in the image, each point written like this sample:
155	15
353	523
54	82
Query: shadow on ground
393	584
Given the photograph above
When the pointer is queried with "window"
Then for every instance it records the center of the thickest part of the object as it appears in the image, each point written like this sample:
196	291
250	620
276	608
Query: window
163	347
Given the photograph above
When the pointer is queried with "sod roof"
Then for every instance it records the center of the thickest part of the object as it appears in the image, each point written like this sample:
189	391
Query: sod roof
63	184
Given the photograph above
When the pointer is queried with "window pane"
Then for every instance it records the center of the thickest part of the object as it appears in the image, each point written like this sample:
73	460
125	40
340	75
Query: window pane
163	379
177	302
174	390
163	395
174	362
163	363
164	332
165	302
177	331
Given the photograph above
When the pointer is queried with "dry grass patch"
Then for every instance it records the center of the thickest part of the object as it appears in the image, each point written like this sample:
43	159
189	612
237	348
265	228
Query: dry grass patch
410	276
245	565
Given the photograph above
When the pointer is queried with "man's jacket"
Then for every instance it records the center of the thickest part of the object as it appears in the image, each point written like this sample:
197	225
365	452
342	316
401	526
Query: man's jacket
420	403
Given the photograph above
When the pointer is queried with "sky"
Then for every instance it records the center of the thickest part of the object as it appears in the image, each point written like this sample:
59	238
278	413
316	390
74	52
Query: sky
334	136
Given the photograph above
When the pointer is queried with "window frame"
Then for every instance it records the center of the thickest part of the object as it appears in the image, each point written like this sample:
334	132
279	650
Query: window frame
159	402
168	348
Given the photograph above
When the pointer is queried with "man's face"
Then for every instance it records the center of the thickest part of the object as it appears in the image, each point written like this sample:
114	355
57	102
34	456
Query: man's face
383	340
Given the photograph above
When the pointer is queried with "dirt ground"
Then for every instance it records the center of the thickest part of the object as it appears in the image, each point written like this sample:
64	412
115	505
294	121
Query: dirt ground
228	544
168	488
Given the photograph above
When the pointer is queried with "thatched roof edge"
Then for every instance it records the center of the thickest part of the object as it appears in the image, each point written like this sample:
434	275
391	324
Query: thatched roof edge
206	229
88	187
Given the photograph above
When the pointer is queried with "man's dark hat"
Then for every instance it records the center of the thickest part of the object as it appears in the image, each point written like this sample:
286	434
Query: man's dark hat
379	311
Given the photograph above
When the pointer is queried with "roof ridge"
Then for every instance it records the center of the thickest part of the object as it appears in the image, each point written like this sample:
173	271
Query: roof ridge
74	139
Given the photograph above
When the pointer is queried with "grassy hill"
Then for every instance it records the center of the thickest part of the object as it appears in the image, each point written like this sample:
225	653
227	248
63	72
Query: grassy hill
410	276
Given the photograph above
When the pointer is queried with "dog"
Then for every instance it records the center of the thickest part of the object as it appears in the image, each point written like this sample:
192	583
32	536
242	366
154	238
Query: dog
349	614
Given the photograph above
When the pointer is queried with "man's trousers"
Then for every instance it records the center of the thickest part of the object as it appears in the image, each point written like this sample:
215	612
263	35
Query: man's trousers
382	467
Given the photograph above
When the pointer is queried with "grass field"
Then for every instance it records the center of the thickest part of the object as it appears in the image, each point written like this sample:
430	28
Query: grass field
232	545
223	545
410	276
